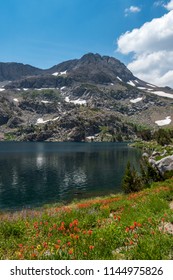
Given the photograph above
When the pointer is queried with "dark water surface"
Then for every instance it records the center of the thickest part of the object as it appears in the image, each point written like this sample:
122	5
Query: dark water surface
33	174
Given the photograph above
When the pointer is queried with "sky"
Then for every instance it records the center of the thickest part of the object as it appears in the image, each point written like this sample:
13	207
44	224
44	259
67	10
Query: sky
43	33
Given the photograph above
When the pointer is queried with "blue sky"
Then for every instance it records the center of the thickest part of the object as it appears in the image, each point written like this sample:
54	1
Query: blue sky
45	32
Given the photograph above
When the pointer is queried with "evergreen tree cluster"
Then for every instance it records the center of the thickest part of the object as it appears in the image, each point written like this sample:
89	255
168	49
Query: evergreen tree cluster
134	181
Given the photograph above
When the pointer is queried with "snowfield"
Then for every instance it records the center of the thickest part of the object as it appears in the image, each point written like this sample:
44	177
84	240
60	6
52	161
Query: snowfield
163	94
164	122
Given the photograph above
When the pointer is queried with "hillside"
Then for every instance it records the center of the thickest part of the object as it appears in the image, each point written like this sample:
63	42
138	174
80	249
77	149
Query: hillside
137	226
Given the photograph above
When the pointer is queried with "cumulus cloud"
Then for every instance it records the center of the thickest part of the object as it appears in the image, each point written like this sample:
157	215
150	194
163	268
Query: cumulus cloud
169	5
132	9
152	46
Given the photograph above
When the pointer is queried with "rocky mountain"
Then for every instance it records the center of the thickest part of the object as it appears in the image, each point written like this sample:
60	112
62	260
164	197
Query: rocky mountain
14	71
91	98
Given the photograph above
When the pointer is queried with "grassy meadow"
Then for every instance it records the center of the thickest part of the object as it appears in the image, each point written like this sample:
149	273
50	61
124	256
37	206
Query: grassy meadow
135	226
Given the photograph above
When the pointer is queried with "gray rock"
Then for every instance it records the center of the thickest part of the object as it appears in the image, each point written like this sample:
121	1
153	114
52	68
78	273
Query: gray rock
165	164
145	155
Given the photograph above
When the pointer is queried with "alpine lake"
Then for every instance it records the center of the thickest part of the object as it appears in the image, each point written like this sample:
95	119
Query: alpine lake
36	173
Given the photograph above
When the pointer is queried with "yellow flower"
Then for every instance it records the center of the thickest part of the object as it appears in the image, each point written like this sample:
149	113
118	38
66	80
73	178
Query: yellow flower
38	247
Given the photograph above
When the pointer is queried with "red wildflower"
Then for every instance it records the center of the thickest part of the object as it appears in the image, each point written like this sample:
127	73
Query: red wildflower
69	243
135	224
132	227
58	241
91	247
90	231
70	251
127	229
45	245
20	245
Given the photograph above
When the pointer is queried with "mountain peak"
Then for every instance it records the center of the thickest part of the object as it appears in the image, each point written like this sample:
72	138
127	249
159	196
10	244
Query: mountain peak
91	57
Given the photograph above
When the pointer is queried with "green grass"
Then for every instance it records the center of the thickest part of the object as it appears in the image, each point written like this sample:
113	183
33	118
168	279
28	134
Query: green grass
115	227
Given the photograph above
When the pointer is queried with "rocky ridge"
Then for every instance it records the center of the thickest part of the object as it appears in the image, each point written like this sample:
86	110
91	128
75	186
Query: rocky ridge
95	98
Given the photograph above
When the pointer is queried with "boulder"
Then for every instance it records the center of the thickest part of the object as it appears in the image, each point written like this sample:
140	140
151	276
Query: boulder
165	164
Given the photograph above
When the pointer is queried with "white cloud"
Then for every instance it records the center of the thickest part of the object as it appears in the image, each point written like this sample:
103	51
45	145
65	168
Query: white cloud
132	9
169	5
152	46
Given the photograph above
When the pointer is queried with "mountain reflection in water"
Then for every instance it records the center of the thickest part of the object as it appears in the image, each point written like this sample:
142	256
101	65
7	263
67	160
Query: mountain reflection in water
33	174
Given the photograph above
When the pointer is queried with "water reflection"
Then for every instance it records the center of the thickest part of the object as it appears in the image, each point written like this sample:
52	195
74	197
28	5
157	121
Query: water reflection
38	173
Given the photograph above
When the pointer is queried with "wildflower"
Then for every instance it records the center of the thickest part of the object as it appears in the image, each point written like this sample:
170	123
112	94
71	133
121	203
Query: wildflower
20	245
84	232
77	237
33	255
132	227
119	218
58	241
163	219
85	254
135	236
90	231
45	245
139	225
131	242
38	247
135	224
69	243
75	222
127	229
70	251
56	246
91	247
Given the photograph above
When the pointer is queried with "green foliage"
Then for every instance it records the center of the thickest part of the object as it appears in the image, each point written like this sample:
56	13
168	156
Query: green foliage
163	137
149	173
131	181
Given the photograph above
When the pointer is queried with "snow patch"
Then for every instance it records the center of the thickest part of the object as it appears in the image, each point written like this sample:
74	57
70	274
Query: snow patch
2	89
136	100
141	87
164	122
78	101
119	79
163	94
137	81
60	73
25	89
55	74
111	84
41	121
45	101
63	73
151	85
131	83
62	88
15	99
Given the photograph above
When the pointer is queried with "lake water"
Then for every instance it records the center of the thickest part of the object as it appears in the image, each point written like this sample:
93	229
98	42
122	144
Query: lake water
33	174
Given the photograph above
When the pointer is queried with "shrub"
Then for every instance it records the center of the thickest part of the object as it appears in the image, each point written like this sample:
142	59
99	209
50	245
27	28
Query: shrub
131	181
